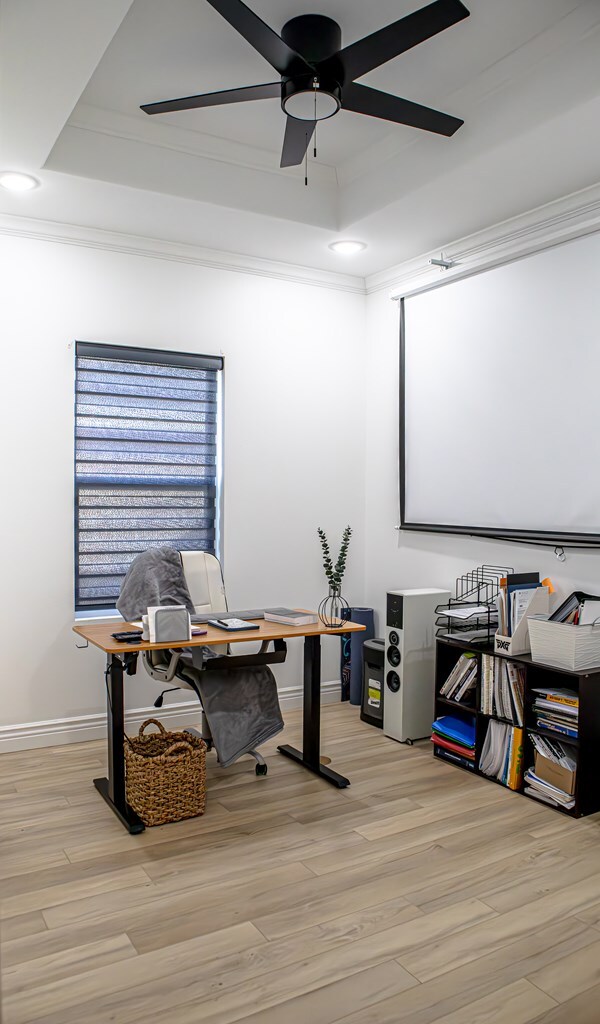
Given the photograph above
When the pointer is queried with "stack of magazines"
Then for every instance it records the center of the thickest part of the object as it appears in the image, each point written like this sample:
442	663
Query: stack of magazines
502	688
546	792
454	739
460	684
557	711
502	754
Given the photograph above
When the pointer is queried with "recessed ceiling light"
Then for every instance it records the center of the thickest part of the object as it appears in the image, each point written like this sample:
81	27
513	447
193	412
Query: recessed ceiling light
347	247
15	181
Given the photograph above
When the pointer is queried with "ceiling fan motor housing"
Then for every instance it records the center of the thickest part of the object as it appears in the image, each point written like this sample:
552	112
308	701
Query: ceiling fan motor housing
319	96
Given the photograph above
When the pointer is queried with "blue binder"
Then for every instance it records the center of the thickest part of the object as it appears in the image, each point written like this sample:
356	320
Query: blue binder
457	729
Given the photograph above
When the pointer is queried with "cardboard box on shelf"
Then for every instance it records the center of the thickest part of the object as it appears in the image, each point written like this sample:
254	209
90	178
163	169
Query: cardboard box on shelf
555	774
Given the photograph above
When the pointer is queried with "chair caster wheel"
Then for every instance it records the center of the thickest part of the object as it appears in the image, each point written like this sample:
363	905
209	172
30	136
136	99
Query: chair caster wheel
261	769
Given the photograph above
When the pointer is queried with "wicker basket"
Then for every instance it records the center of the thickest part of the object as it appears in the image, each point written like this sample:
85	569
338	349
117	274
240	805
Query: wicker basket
165	775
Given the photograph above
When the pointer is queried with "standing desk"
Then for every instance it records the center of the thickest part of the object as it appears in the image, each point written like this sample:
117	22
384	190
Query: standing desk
120	657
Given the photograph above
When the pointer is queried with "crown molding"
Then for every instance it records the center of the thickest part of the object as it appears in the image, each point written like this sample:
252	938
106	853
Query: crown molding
558	221
175	252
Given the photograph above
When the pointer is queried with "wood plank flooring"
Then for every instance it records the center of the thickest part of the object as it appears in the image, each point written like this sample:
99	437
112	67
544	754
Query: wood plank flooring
419	895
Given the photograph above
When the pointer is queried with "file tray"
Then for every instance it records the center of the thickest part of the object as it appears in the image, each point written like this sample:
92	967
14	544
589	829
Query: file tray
519	642
562	645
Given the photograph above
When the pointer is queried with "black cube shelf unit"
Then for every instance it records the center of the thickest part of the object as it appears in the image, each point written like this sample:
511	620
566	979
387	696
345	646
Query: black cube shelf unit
587	684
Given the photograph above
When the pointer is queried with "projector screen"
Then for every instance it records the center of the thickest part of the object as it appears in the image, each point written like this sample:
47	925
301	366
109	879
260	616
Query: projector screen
499	400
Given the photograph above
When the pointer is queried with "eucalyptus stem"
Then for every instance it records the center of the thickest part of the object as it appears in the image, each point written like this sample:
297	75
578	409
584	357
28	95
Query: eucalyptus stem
335	573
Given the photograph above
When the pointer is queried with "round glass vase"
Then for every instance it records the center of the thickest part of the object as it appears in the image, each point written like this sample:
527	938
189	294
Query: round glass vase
334	610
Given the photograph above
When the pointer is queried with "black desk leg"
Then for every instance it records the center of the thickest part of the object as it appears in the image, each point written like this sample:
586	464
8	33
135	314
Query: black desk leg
112	789
310	756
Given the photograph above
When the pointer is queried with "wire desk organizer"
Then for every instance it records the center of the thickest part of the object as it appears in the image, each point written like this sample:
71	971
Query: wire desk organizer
476	590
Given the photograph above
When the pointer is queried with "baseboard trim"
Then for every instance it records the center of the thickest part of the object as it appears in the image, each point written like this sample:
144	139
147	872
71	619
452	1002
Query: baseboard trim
60	731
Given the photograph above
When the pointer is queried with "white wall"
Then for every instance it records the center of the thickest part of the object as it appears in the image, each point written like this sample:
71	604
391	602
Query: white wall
294	443
397	560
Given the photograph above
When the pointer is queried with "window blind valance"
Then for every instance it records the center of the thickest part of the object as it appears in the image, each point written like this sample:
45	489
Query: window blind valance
146	425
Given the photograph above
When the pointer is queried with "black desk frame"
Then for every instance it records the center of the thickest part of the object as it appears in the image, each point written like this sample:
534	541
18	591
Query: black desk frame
112	788
310	755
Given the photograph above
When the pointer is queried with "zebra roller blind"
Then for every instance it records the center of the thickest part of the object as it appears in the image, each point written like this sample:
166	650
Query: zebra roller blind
146	425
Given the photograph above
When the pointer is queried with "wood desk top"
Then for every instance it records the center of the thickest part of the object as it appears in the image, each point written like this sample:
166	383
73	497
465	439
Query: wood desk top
99	634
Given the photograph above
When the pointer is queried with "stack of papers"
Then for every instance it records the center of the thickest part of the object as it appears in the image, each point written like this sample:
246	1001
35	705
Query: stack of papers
502	754
463	611
468	621
541	790
454	739
557	710
471	636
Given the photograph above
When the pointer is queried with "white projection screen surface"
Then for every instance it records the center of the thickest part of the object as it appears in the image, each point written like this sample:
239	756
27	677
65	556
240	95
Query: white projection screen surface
500	400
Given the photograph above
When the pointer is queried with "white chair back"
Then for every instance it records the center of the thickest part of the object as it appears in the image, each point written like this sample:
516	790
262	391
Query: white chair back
204	579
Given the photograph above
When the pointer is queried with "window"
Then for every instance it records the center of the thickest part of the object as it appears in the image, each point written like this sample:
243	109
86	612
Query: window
146	460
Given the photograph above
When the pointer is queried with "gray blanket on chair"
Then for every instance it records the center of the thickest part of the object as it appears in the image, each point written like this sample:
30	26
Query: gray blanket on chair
240	704
154	577
242	708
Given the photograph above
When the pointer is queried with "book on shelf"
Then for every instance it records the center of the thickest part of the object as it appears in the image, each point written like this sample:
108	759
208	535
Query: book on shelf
502	753
467	686
456	758
562	711
557	710
568	697
558	727
455	748
462	678
502	688
290	617
454	738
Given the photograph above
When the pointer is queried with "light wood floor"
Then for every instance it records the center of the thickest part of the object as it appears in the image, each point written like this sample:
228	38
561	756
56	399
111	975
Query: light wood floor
418	895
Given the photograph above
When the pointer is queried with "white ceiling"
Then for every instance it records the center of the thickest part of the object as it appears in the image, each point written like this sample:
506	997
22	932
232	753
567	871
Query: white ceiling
522	73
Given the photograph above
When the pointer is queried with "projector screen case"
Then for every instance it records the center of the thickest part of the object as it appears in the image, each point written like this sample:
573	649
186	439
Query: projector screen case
499	428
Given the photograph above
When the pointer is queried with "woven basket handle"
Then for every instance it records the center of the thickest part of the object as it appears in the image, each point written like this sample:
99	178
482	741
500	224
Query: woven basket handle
179	748
151	721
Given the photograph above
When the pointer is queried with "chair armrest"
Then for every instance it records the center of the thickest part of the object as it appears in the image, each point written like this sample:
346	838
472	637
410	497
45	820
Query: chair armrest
163	674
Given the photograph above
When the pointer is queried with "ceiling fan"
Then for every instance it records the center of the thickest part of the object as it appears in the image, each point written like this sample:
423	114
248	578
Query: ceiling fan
318	76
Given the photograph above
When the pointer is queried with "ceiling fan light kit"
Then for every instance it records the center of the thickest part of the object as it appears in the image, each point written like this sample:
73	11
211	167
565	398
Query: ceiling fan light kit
317	74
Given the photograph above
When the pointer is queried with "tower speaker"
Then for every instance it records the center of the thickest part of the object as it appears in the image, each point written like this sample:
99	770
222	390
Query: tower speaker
409	666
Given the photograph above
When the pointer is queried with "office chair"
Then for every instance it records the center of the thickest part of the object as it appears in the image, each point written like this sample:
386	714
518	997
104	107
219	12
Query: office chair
206	587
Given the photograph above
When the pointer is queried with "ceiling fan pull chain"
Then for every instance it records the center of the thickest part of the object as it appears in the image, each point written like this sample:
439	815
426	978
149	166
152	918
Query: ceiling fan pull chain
306	162
316	122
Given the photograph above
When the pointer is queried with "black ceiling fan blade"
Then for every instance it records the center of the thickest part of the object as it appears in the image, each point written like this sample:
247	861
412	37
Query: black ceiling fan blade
363	100
296	141
389	42
282	57
216	99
